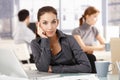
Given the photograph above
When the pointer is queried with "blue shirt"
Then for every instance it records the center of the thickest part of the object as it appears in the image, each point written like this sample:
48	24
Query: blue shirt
71	58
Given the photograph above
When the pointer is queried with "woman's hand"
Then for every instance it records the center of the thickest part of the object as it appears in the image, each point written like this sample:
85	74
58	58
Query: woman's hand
40	32
50	69
89	50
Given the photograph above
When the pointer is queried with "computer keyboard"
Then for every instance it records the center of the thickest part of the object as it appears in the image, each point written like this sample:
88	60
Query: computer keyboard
36	75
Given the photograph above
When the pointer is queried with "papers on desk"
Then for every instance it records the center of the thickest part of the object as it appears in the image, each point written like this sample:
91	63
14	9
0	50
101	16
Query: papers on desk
4	77
80	77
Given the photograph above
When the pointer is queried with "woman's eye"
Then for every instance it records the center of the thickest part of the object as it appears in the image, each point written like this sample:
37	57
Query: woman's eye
54	22
44	22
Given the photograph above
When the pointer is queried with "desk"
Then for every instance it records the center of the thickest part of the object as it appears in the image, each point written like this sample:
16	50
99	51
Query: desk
83	76
103	55
67	76
113	77
4	77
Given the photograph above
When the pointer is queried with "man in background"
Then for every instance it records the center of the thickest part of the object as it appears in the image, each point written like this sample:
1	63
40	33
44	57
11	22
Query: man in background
22	34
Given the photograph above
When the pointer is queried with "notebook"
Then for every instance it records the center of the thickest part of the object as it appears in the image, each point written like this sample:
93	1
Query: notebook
10	66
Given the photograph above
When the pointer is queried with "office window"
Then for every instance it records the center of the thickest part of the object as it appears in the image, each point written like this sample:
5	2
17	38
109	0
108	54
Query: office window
34	5
113	25
6	13
72	10
69	12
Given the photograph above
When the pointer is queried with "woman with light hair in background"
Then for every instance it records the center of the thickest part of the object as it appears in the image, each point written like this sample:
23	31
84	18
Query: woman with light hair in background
86	34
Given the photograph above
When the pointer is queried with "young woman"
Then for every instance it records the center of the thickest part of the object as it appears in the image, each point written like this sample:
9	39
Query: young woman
55	51
86	34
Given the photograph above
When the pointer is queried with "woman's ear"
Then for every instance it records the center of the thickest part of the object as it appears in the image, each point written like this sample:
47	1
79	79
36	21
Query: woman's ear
87	16
39	24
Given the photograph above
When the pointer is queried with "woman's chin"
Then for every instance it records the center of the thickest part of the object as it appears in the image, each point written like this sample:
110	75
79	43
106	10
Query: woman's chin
50	34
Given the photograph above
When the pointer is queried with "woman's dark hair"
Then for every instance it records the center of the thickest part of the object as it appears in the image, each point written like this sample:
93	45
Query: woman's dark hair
89	11
45	9
23	14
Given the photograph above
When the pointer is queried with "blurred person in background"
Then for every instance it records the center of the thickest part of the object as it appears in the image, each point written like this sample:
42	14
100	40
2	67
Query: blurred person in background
87	33
22	34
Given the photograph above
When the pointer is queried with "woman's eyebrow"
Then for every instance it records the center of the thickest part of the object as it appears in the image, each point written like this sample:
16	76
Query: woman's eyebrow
54	19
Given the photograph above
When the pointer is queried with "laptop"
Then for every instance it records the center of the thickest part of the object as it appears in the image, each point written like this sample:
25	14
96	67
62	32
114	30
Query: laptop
10	66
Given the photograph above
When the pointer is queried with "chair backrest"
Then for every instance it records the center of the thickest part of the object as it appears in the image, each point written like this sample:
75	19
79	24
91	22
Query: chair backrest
115	52
21	50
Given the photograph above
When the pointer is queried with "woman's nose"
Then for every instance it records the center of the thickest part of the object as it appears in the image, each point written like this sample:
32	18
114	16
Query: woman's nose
49	26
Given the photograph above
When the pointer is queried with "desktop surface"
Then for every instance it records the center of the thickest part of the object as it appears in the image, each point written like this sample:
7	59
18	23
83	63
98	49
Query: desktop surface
64	76
5	77
83	76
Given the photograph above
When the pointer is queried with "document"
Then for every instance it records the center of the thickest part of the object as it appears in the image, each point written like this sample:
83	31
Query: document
77	77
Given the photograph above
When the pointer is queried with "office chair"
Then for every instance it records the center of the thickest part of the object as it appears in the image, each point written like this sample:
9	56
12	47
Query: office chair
20	50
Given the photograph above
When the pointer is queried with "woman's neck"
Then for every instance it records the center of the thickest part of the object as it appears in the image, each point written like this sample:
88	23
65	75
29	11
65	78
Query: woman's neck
88	22
54	38
55	45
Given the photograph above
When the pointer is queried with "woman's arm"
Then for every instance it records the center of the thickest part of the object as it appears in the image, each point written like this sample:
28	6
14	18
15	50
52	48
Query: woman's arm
100	46
82	63
101	41
41	53
84	47
90	49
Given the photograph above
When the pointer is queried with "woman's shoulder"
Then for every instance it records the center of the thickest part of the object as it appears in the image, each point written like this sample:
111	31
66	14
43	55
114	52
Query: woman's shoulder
76	31
94	29
70	38
36	40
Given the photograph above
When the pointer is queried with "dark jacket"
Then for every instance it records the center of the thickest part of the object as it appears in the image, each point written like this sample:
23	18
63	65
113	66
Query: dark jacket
71	58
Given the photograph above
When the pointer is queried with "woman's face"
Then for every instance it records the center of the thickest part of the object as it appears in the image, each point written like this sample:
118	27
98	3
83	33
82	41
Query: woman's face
49	22
92	19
